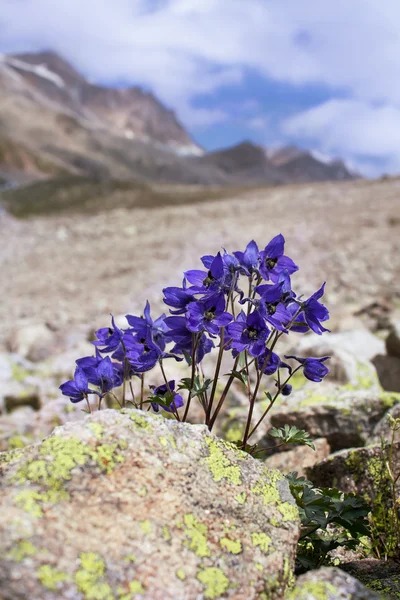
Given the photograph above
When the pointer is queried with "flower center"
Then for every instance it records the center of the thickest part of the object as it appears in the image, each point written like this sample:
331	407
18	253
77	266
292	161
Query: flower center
209	279
210	314
252	333
271	262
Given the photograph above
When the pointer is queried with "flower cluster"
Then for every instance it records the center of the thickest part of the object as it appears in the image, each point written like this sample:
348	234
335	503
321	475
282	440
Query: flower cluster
212	309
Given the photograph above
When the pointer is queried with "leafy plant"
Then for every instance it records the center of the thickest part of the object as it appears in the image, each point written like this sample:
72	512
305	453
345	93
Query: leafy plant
329	519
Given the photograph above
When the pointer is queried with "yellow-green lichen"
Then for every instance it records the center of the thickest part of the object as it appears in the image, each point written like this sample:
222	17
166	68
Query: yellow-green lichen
166	533
142	491
50	577
215	581
196	532
232	546
16	441
259	566
23	549
389	399
262	540
90	578
309	590
135	587
163	441
52	469
233	432
365	378
220	465
181	574
288	511
145	526
241	498
97	429
130	558
266	487
141	422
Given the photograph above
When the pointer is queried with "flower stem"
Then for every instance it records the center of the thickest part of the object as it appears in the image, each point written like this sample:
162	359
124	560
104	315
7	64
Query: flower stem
223	396
216	374
195	341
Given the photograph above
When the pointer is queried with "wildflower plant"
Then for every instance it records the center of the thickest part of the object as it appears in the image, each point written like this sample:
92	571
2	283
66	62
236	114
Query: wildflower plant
241	303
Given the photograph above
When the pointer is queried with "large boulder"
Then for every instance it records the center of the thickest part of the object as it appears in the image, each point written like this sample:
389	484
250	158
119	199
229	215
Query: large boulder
379	575
393	340
388	369
358	470
126	504
330	583
346	418
299	458
33	340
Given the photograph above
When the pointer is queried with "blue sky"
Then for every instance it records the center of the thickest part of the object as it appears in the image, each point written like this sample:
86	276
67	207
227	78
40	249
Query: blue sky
316	73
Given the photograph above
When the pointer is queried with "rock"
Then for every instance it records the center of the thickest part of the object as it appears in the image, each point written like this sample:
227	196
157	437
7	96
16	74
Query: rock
16	395
350	354
33	340
17	429
357	470
128	503
378	575
330	583
345	418
299	458
383	430
393	340
388	369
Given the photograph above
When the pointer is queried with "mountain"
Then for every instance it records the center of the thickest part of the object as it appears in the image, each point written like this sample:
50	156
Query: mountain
55	123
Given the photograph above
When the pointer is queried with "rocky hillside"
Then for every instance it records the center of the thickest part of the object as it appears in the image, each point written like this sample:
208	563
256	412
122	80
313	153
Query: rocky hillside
54	122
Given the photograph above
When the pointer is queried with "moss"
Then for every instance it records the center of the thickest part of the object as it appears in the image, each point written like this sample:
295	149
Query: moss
310	590
232	546
141	422
23	549
19	373
145	526
241	498
389	399
90	578
215	581
181	574
262	540
15	442
233	432
220	465
50	577
365	378
196	532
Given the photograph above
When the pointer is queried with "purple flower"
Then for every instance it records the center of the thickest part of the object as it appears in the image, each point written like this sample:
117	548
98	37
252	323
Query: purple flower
249	259
271	306
314	311
178	298
248	333
173	401
144	357
77	388
313	368
273	262
286	390
208	314
108	337
146	329
211	280
183	338
273	364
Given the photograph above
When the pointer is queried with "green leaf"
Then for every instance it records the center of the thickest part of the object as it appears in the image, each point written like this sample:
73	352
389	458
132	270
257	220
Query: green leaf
292	435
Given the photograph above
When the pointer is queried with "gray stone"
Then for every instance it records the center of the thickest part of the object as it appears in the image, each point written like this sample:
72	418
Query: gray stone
330	583
33	340
299	458
128	504
358	470
388	369
378	575
393	340
344	417
382	431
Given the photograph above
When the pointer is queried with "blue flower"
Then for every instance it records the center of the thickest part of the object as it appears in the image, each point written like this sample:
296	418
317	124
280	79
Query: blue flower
146	329
314	311
313	369
183	338
77	388
211	280
249	259
208	314
271	306
273	262
144	357
248	333
108	337
173	401
178	298
273	364
286	390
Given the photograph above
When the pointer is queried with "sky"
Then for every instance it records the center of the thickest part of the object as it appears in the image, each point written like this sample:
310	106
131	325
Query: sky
320	74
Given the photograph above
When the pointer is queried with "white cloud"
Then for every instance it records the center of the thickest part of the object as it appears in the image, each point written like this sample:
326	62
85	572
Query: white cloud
183	49
351	128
